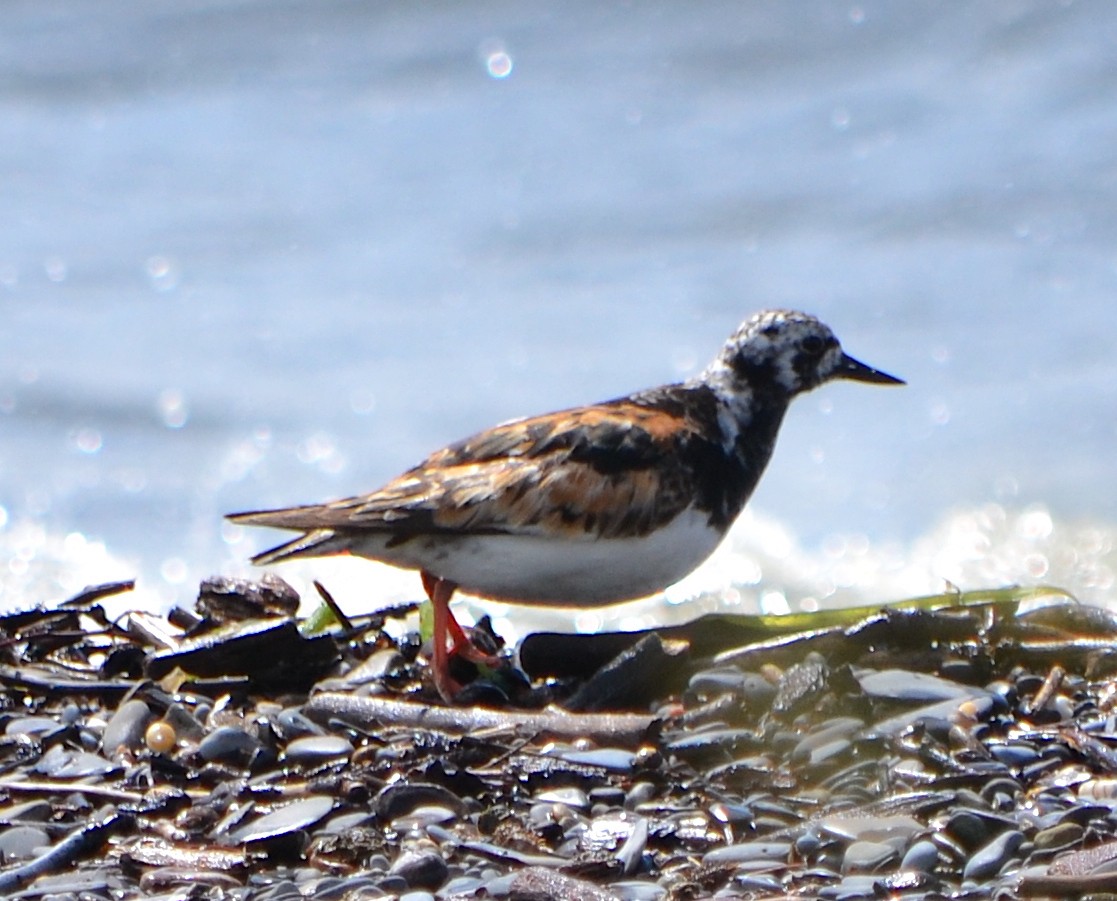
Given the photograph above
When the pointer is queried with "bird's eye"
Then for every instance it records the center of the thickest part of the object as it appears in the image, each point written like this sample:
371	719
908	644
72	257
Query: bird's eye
813	345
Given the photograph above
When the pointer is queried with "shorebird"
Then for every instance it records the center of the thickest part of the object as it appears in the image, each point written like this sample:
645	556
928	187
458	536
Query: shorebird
587	506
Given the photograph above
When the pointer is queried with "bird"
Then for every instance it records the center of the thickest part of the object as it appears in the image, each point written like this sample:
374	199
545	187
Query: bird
587	506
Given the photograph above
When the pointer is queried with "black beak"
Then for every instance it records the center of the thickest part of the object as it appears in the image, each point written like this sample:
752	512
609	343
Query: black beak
850	368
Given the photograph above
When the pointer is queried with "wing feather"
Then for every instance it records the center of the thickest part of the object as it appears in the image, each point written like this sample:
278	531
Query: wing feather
597	472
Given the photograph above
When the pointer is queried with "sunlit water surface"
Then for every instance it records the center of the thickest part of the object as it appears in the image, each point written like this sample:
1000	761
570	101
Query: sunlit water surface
264	253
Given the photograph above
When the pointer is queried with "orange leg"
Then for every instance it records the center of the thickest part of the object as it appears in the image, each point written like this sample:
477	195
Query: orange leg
440	591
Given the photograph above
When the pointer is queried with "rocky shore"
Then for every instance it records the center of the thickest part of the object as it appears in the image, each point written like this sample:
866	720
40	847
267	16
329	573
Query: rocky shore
960	747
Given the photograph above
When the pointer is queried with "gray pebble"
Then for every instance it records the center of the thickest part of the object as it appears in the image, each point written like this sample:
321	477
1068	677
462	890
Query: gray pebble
126	727
27	812
400	798
746	852
640	793
283	820
1059	836
866	857
22	843
717	681
987	861
293	723
921	857
30	725
638	891
62	764
571	797
185	724
423	816
313	749
420	869
228	743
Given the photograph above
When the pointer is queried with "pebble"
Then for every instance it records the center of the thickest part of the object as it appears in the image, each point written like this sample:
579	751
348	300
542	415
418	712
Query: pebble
316	749
716	681
228	744
30	725
60	763
186	725
746	852
401	798
571	797
1060	836
872	828
615	759
988	860
22	843
903	789
422	817
26	812
420	869
866	857
921	857
126	727
286	819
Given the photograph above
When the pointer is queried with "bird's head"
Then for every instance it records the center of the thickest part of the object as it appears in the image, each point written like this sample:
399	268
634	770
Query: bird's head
785	352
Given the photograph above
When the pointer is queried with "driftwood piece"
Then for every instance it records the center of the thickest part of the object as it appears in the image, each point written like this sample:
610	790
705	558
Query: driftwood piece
366	713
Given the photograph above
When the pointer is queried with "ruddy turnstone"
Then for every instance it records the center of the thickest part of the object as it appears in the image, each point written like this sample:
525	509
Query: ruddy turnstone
587	506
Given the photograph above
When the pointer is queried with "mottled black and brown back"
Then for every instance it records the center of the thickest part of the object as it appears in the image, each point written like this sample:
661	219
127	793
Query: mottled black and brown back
616	469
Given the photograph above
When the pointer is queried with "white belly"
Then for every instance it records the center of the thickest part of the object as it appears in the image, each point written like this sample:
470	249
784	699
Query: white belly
541	570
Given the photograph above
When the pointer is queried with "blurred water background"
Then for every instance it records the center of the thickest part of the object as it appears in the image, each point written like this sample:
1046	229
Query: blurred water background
256	253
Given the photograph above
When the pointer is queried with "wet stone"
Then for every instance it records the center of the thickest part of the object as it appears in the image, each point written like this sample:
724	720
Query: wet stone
851	888
420	869
616	759
987	861
757	692
911	687
26	812
229	744
867	857
711	744
126	726
59	763
292	723
801	685
921	857
1015	755
571	797
748	852
640	793
315	749
285	820
840	793
717	681
185	724
762	884
422	817
401	798
872	828
30	725
638	891
22	842
1063	835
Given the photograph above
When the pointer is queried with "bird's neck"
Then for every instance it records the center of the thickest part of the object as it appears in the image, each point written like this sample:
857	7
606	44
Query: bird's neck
748	423
749	416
